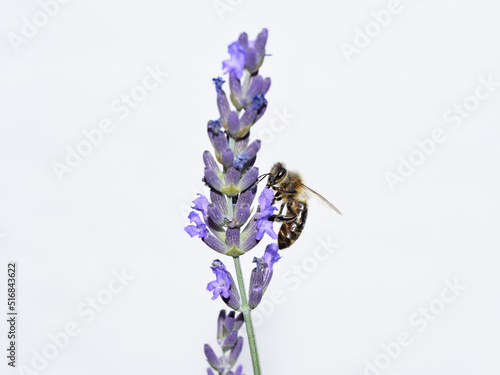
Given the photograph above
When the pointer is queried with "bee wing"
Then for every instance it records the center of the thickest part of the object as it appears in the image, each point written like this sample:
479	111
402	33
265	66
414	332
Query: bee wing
310	191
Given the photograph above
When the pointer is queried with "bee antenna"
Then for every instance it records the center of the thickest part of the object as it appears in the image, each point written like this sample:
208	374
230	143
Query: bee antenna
261	177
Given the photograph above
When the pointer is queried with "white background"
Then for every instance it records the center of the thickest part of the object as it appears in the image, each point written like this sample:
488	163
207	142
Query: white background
125	205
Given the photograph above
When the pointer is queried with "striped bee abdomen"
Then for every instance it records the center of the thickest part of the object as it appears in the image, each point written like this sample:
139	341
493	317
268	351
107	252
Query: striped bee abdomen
290	231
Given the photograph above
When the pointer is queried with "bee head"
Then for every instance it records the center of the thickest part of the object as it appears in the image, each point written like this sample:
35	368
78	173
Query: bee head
277	174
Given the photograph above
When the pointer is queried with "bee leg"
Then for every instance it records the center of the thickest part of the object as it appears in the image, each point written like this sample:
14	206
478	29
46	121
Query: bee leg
287	191
277	197
283	218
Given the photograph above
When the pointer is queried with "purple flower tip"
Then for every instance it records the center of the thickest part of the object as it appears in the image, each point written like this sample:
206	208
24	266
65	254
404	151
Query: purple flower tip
236	62
199	229
220	286
214	127
218	84
259	101
240	161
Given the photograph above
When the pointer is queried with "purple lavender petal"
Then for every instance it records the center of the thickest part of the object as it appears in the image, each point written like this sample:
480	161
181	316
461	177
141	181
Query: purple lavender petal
239	370
212	179
219	200
210	372
214	243
220	286
212	357
201	204
232	237
199	229
232	176
271	255
265	210
266	198
236	62
195	231
263	227
249	179
235	353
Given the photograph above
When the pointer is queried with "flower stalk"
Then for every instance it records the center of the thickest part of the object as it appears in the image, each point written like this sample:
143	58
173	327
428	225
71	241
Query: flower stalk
247	314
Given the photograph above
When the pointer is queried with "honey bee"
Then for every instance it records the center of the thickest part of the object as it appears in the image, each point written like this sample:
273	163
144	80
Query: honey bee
294	194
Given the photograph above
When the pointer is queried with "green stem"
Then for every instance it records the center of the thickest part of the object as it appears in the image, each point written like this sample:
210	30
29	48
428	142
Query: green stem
247	314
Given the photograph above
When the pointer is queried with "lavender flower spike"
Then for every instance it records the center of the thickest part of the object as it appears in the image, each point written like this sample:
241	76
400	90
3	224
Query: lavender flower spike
229	341
224	220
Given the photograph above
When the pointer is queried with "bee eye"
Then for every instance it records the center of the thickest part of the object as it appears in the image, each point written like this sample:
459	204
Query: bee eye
281	173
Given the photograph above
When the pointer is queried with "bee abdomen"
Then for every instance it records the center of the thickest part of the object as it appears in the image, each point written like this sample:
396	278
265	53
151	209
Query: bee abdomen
290	231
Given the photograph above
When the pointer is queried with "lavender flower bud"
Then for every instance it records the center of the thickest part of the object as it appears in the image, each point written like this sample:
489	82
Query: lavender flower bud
256	290
262	274
212	358
227	158
235	353
230	341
